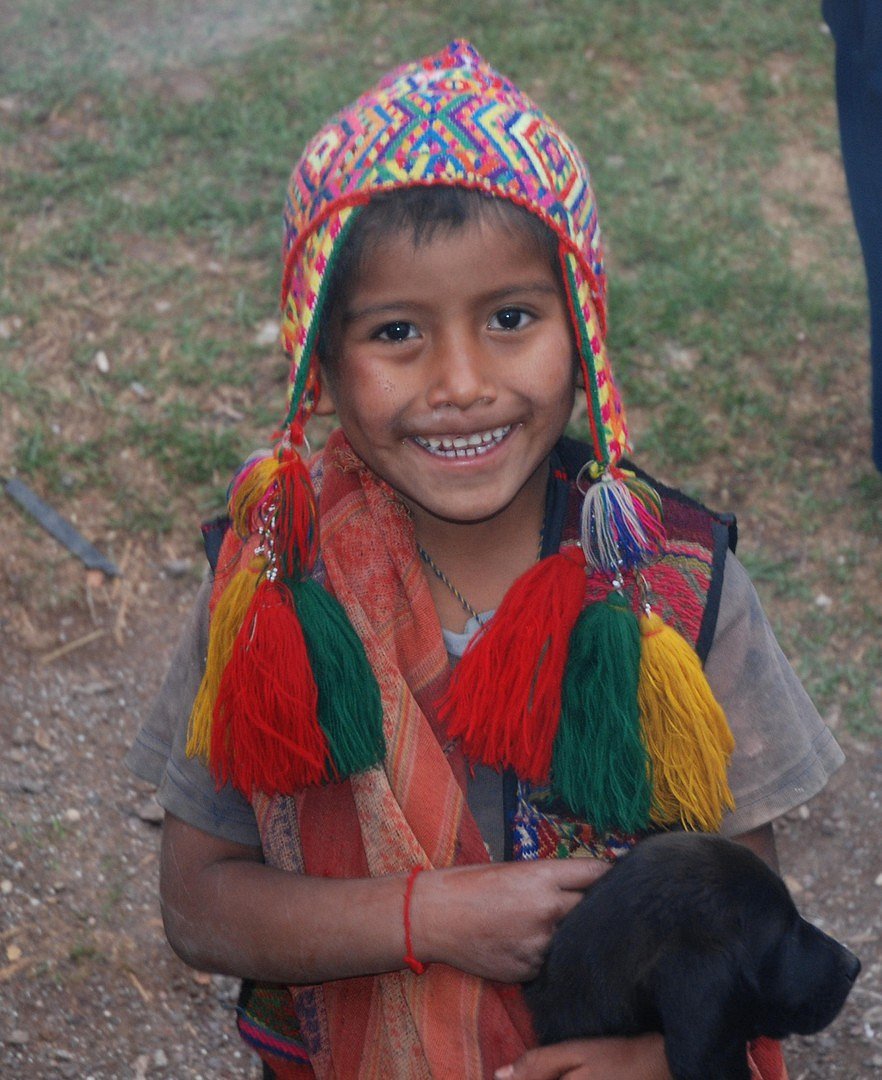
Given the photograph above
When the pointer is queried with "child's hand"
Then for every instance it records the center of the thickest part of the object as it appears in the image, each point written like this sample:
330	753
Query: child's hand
638	1058
496	921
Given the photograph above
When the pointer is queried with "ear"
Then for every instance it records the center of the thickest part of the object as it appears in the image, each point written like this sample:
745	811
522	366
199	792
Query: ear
325	406
693	995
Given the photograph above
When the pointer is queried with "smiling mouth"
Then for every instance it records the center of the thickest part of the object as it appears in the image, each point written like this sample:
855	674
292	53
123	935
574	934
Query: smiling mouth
464	446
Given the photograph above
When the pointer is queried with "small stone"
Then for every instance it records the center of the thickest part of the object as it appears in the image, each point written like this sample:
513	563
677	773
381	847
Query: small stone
17	757
804	813
679	358
822	600
13	953
878	880
160	1059
140	391
5	887
101	362
31	787
162	306
793	886
42	739
151	811
267	334
177	568
72	815
17	1037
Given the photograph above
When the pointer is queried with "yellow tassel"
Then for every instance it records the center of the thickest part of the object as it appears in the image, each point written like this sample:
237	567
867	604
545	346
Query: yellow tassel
248	490
684	729
226	621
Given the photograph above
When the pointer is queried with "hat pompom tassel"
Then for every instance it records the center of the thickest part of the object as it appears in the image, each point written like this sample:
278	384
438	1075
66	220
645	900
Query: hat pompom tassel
289	699
685	731
503	699
265	735
226	621
600	766
350	712
621	520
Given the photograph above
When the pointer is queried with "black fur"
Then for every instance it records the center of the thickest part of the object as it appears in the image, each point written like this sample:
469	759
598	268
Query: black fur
696	937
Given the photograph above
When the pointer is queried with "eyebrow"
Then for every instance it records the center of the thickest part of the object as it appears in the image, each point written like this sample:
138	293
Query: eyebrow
496	296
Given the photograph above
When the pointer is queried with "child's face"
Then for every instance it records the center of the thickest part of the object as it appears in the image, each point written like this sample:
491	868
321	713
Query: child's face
454	374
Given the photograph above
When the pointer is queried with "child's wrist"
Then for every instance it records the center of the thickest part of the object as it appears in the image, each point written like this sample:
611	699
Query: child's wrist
417	966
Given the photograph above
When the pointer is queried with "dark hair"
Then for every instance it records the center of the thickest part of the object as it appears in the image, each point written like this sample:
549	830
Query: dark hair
424	211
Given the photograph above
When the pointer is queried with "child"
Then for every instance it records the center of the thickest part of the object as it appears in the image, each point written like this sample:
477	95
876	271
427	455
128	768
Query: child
444	293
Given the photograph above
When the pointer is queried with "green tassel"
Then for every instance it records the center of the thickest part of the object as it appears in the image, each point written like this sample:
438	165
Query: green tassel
350	712
599	764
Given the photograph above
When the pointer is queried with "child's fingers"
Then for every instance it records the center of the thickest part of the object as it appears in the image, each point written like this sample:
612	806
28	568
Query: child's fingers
638	1058
577	874
565	1059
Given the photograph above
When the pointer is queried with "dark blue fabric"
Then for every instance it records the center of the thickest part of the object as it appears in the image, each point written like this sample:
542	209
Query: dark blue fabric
856	26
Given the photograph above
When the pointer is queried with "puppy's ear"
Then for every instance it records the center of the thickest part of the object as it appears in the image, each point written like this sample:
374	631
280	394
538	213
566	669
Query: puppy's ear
694	994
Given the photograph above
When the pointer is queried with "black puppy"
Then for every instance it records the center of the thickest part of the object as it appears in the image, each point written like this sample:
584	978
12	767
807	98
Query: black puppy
695	937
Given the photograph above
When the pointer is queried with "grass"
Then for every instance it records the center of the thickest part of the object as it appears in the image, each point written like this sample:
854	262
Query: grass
144	164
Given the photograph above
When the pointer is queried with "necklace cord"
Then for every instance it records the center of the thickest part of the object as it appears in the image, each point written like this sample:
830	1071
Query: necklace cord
452	589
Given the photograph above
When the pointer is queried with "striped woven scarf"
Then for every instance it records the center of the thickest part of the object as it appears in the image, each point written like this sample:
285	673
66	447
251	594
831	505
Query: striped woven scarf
385	821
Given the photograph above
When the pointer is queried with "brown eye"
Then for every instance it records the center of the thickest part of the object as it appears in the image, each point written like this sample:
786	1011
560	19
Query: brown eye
511	318
396	331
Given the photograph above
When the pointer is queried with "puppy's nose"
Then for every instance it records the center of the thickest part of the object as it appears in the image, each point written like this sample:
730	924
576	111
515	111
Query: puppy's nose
852	966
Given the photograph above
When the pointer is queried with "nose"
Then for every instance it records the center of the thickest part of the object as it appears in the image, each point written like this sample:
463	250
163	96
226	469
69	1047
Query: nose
852	966
460	374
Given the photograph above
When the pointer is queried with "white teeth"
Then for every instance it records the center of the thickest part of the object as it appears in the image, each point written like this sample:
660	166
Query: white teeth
464	445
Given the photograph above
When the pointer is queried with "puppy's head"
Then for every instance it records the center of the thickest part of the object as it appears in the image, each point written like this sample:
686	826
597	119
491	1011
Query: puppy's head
797	977
804	980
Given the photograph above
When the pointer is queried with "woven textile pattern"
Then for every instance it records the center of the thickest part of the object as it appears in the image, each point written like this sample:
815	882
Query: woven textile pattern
449	119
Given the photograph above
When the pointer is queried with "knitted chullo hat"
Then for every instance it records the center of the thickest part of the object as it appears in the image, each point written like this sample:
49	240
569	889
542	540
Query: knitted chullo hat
449	119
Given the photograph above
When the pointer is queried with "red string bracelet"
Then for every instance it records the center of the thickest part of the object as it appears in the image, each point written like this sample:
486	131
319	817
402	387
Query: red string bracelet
415	965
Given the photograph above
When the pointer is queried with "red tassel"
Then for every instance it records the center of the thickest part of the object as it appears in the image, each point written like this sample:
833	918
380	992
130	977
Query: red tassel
265	734
504	696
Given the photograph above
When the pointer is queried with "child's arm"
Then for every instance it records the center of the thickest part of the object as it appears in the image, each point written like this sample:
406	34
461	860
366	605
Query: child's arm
225	910
641	1057
761	841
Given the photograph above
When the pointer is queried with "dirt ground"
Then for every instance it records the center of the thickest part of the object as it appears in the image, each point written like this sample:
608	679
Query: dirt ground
89	985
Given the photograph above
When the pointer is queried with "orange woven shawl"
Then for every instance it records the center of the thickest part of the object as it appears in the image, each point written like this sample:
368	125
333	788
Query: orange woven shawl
385	821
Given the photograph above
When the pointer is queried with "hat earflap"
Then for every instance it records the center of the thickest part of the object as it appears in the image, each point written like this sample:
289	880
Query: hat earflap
613	711
288	698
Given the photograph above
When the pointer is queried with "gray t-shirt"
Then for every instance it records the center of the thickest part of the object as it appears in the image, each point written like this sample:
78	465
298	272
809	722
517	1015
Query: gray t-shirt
783	753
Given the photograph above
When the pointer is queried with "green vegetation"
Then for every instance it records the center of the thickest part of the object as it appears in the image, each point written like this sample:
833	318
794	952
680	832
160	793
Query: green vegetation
143	172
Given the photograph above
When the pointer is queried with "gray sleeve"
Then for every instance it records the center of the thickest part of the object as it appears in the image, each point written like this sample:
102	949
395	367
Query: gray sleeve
185	787
784	753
